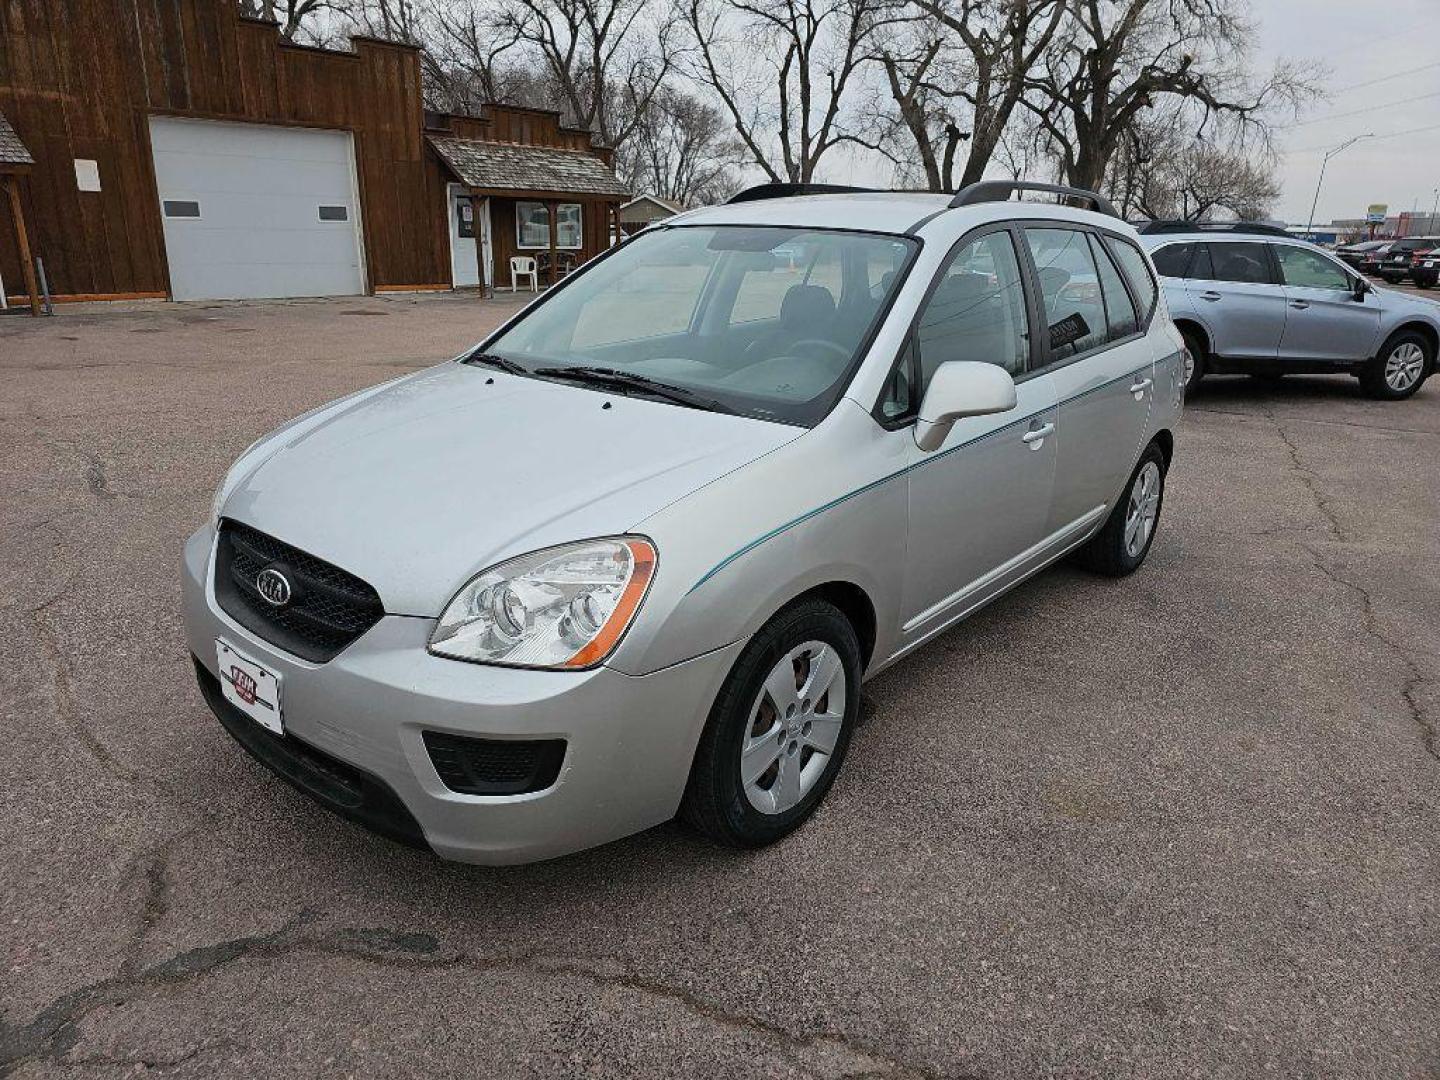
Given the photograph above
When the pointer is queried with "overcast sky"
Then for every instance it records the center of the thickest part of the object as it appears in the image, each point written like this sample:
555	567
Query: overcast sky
1360	41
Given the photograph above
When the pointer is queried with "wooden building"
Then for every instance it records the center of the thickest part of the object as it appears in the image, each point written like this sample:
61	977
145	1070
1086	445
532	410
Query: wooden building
183	150
644	210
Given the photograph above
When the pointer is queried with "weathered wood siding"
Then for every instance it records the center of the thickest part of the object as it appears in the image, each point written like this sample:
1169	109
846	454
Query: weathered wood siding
80	78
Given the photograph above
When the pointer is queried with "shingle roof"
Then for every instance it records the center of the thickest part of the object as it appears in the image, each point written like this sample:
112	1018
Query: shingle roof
506	166
12	150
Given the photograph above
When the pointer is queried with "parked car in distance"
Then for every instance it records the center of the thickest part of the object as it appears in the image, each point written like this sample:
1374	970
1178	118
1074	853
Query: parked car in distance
1425	267
1352	254
1256	303
1399	261
626	560
1370	261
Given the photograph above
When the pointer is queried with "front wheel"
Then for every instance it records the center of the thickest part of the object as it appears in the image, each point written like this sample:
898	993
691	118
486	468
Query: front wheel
1123	542
1400	367
778	730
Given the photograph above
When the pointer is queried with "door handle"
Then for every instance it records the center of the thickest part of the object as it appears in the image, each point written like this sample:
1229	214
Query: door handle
1300	304
1210	294
1139	386
1035	437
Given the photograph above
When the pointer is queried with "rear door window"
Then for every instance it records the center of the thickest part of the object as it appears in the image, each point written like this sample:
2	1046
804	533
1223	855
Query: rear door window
1173	260
1070	286
1246	263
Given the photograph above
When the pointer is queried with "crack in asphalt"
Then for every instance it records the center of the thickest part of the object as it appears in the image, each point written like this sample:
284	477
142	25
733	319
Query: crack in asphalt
55	1030
1292	419
1309	478
1415	676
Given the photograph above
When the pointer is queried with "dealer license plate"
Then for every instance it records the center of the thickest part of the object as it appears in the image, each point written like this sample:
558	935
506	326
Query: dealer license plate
250	686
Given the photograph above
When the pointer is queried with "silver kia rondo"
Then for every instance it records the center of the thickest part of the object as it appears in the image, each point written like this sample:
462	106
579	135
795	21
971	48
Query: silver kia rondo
632	556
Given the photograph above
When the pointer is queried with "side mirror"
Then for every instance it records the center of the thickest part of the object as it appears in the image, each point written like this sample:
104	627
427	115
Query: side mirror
959	389
1361	288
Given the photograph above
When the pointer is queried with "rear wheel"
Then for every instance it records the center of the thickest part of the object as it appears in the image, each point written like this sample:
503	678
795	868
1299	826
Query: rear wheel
1400	367
1196	363
778	730
1122	544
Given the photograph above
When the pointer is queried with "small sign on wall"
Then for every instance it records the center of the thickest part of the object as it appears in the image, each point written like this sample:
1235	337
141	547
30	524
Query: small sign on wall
87	174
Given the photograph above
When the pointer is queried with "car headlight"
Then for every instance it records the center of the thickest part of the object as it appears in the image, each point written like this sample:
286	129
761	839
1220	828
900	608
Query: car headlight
563	607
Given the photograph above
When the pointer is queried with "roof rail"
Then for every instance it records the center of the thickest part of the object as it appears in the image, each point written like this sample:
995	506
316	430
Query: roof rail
1152	228
784	191
1000	190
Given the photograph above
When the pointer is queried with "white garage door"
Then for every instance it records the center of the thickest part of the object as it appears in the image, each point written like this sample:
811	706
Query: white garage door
257	211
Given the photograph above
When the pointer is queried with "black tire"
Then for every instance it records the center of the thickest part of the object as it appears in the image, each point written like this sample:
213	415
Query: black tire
1106	552
715	802
1372	375
1196	346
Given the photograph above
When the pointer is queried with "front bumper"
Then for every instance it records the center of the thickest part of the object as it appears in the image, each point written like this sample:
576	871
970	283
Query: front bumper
630	739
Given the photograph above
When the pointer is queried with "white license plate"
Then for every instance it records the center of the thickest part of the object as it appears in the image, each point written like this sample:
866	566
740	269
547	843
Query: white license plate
250	686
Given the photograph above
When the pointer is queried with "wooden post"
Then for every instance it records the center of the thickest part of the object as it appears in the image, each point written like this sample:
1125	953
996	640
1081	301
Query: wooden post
479	226
22	237
552	210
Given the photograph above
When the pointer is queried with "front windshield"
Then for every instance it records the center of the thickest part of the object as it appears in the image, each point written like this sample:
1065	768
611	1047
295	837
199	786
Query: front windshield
765	322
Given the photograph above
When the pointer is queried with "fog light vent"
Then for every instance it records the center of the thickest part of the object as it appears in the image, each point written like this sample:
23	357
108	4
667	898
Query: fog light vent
494	766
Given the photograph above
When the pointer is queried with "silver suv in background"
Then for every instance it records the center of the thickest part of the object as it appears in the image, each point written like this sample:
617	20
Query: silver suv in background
1251	300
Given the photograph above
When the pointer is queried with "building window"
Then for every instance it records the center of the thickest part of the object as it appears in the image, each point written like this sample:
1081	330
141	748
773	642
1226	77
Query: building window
334	213
532	226
182	208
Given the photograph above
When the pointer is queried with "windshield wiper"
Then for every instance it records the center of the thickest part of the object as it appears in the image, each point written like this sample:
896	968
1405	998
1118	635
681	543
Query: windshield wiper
500	363
628	380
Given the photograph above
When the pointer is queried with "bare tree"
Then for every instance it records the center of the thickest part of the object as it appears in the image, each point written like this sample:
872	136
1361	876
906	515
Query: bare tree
603	60
465	62
985	50
1114	59
1160	172
784	71
297	18
682	150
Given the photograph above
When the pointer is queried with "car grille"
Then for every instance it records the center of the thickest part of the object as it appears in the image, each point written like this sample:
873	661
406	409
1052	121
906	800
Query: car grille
328	607
494	766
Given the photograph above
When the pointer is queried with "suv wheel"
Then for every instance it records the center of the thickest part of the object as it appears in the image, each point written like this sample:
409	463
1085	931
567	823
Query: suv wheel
1400	367
778	730
1122	544
1195	366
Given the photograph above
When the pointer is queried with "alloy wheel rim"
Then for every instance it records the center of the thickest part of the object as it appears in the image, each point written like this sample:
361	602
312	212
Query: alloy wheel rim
794	727
1142	509
1189	366
1404	365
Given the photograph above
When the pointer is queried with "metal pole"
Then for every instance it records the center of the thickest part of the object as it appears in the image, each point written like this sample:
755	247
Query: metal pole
1309	225
44	285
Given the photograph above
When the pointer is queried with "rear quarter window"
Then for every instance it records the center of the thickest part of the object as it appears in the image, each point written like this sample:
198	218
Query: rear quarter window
1137	273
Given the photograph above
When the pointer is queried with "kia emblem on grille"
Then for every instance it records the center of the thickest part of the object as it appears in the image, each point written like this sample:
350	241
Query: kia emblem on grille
273	586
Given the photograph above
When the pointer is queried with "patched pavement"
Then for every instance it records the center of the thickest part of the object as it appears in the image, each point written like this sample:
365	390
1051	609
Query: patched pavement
1181	824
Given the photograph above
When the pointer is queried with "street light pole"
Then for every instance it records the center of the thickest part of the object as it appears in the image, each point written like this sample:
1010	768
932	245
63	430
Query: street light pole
1328	155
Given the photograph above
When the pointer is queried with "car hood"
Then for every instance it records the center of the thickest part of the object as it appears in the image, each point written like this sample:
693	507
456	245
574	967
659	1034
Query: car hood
423	483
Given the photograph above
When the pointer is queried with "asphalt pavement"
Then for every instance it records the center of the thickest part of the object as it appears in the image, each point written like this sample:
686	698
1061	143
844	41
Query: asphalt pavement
1183	824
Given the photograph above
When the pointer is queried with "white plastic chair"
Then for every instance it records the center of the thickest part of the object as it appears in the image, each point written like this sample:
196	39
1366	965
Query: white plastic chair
523	266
